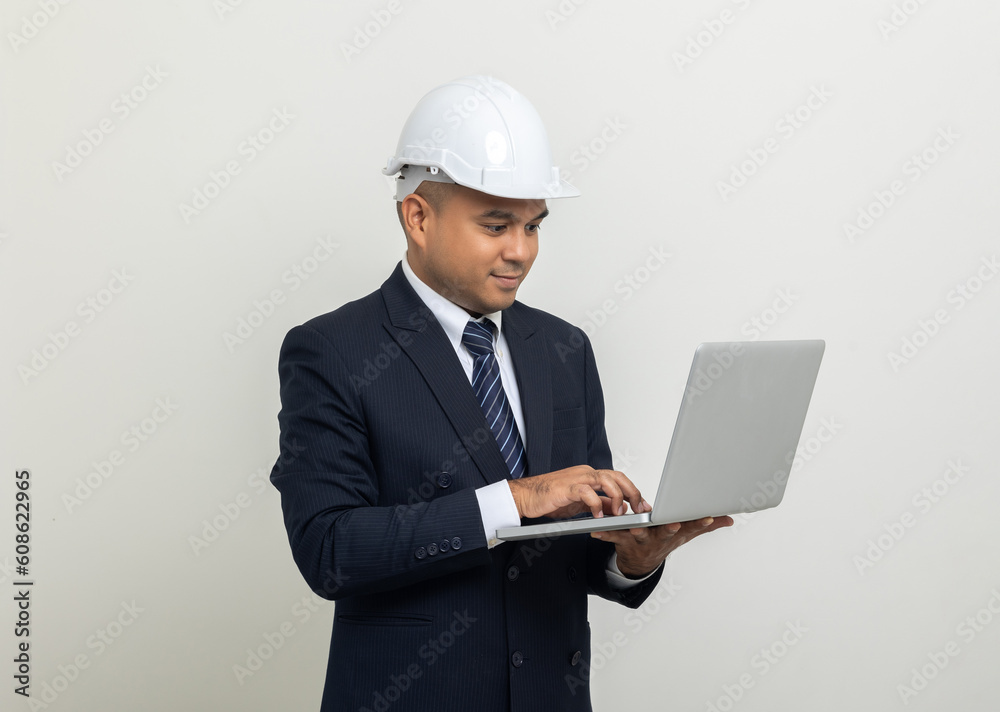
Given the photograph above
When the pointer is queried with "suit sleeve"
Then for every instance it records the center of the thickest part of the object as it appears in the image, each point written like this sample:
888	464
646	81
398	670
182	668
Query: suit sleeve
599	456
343	542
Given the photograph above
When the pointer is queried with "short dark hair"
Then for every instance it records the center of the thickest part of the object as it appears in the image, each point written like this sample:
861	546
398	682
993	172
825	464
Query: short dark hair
436	194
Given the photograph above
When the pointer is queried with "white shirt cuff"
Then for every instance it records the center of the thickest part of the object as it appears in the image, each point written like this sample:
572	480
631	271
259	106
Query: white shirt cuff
616	579
498	510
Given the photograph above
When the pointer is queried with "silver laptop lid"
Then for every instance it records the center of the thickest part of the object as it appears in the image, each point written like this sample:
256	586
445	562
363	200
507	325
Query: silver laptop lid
737	429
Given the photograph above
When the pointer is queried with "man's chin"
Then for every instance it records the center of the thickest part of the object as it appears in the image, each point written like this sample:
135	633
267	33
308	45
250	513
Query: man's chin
495	305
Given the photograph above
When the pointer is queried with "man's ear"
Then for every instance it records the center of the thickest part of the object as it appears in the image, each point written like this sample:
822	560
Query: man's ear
416	213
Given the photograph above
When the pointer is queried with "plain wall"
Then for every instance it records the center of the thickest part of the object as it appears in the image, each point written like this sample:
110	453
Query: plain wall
885	547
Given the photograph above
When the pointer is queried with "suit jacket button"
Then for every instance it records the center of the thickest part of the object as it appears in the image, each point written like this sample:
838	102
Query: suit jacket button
512	573
444	545
432	549
576	658
420	553
571	573
444	480
517	659
456	543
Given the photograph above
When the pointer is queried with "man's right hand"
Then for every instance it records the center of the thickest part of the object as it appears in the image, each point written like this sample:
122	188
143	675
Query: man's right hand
564	493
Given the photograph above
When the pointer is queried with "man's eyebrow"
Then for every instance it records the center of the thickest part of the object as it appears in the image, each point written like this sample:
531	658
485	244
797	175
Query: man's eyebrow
507	215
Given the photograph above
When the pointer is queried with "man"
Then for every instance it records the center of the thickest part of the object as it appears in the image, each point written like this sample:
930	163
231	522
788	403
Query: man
418	420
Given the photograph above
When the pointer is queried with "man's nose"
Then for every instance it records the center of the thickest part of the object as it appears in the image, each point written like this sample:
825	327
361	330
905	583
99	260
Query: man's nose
517	248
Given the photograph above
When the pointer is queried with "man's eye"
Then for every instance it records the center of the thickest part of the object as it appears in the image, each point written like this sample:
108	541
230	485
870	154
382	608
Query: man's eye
533	228
495	229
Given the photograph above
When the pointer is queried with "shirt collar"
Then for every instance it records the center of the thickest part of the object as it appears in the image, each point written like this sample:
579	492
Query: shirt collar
452	317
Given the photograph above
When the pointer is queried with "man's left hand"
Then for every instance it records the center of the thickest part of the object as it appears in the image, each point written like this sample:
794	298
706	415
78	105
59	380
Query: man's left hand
641	551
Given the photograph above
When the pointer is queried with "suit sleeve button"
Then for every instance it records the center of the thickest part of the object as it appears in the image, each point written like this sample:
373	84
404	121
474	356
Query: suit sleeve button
420	553
571	574
444	545
456	543
432	549
444	480
512	573
576	658
517	659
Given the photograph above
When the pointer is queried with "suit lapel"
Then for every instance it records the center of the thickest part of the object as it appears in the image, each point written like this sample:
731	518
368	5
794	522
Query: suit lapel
534	380
413	327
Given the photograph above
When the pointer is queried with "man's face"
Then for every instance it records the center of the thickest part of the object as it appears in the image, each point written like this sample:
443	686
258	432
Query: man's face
477	248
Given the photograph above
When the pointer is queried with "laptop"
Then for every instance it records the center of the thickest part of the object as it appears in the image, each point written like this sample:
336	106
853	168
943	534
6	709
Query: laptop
734	439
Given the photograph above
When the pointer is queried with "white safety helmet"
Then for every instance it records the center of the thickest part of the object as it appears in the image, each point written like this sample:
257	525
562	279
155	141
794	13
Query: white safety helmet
481	133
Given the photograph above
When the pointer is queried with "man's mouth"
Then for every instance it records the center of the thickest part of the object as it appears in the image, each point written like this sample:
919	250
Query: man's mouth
507	280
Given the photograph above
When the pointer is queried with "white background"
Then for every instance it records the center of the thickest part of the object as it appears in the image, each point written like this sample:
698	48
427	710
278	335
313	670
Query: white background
688	109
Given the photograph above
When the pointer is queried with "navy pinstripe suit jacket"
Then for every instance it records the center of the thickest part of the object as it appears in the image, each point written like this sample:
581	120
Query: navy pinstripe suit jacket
383	444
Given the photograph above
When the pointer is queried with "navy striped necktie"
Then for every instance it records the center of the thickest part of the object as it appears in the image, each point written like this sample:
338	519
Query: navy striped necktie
478	339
